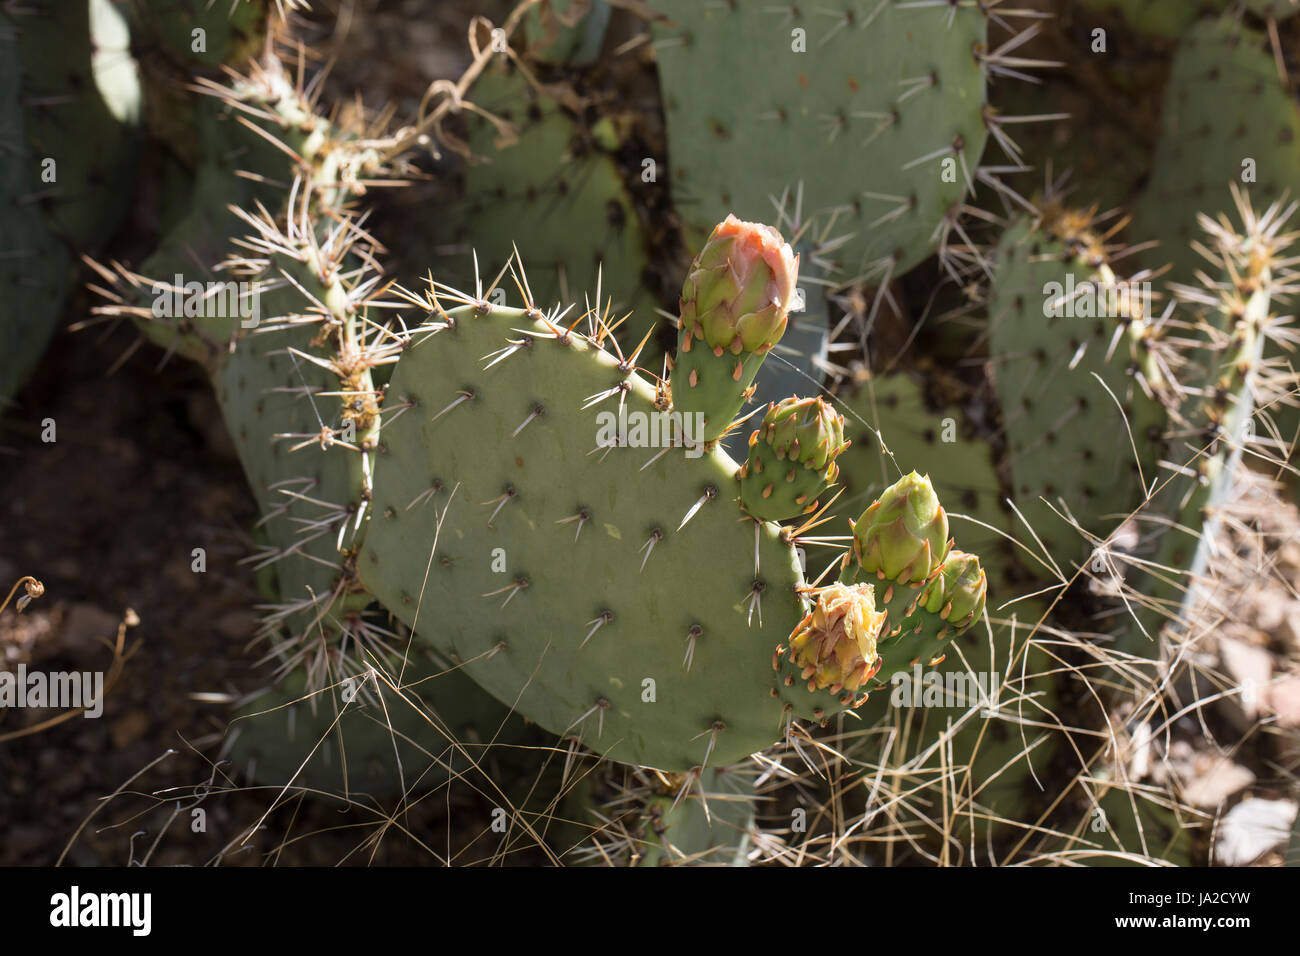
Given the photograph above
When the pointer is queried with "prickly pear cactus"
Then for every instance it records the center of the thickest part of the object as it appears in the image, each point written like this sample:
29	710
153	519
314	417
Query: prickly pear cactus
286	338
1208	147
878	109
81	94
552	190
567	31
69	104
199	33
612	592
1207	143
647	818
34	265
1079	378
335	740
1170	18
799	363
1228	390
927	591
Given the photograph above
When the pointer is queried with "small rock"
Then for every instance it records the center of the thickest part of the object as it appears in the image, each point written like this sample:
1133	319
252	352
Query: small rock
1289	627
129	728
1215	780
1251	829
1251	667
65	567
238	625
84	627
23	840
1268	614
1284	700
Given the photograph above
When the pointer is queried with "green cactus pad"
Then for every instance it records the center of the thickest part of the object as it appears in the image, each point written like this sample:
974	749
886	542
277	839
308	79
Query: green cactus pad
82	103
597	586
555	194
709	826
1066	434
567	31
1205	137
67	96
321	742
34	265
1230	317
200	33
307	497
1169	18
201	237
865	118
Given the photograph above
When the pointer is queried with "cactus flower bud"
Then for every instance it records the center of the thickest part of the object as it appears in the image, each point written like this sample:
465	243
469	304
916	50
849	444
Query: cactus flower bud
734	306
791	458
958	592
834	646
903	535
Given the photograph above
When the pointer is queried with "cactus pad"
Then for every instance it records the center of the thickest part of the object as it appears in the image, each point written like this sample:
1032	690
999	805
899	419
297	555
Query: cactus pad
598	587
866	116
1069	410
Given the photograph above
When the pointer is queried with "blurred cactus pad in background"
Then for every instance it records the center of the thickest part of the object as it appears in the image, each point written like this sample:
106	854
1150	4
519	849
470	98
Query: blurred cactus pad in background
656	432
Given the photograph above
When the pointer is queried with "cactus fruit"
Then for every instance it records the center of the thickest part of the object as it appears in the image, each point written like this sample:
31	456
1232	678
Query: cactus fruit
734	307
928	592
919	626
922	594
957	592
799	361
791	458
